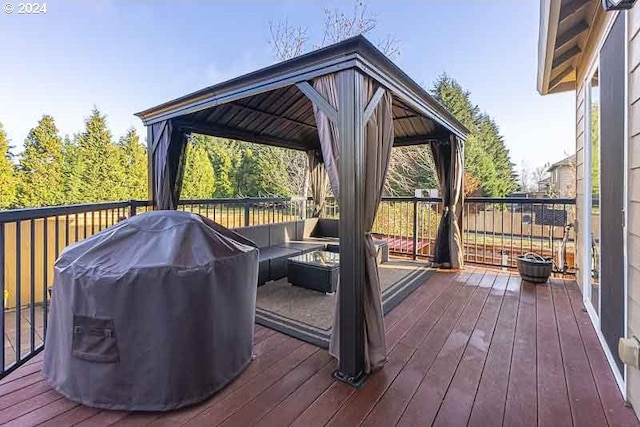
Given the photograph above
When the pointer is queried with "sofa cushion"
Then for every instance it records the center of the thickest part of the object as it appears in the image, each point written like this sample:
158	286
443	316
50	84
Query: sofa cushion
258	234
263	272
273	252
281	232
327	228
303	246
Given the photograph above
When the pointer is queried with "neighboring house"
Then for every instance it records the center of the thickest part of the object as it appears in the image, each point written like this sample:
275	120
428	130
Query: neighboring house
561	181
596	55
544	186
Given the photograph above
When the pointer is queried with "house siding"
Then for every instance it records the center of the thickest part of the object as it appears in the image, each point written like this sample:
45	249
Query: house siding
579	178
597	34
633	207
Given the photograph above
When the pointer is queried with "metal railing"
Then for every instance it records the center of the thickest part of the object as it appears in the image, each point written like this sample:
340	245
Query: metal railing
495	232
32	239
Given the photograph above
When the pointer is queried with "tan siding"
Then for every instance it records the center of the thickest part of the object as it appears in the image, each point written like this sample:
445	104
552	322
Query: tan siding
579	174
634	294
633	226
634	117
634	188
634	152
634	23
634	85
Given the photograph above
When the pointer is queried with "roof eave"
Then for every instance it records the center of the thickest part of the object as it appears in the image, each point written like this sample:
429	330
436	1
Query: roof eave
549	20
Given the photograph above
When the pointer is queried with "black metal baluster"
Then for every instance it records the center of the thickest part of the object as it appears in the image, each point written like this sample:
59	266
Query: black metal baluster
2	289
511	257
18	303
45	278
56	250
32	296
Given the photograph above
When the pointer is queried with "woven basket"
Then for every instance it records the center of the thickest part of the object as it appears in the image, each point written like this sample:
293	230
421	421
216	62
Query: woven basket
534	268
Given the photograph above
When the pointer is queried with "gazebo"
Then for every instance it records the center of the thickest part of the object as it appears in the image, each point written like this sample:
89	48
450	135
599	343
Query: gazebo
346	105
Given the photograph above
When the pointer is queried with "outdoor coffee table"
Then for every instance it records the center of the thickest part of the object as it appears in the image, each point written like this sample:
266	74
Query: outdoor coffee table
317	270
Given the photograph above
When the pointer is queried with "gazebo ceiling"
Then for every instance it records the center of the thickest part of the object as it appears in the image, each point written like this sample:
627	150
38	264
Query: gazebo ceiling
267	107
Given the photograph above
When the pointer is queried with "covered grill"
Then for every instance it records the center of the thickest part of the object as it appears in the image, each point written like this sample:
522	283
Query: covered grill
154	313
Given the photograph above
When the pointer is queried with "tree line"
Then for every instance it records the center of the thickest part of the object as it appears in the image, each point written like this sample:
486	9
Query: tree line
92	166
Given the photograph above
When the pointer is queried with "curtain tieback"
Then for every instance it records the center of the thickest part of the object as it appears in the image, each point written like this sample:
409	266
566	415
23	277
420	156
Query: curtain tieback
371	247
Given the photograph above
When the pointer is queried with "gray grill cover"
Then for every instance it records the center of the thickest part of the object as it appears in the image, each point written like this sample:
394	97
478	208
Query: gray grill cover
154	313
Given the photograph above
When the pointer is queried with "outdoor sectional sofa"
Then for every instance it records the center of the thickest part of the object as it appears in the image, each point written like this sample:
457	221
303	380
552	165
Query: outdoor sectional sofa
281	241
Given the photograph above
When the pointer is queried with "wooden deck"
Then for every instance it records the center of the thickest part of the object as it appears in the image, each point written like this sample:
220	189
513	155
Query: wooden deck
477	348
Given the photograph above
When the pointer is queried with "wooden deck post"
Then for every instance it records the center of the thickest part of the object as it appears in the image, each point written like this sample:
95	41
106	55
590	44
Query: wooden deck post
352	250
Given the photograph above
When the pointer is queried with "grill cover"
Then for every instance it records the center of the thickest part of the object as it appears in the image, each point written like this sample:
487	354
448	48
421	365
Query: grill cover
154	313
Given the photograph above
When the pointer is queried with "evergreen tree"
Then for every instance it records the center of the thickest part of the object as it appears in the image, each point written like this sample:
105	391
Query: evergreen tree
224	155
102	175
199	180
41	169
134	160
72	172
7	173
262	171
486	155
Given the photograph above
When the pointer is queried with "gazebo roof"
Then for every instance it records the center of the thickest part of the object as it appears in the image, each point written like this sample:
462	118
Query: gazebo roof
266	106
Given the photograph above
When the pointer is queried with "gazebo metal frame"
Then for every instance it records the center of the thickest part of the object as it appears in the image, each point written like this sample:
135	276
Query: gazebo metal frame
275	106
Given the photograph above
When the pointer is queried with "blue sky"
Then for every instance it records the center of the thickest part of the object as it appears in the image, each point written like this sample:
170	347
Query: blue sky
125	56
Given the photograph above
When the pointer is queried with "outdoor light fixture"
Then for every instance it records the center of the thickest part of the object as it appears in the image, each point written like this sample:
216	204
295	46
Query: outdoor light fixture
617	4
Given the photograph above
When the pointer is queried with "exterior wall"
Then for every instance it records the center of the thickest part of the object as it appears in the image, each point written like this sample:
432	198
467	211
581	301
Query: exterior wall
633	173
579	179
563	181
633	207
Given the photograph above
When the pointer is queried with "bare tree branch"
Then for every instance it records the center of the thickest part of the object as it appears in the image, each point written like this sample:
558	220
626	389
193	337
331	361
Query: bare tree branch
287	41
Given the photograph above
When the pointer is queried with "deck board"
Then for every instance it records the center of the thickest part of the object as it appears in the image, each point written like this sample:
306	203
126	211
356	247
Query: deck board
489	405
458	402
553	402
586	407
521	406
477	347
425	339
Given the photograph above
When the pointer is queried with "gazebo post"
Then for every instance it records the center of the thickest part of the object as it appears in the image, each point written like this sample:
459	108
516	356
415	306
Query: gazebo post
150	165
352	246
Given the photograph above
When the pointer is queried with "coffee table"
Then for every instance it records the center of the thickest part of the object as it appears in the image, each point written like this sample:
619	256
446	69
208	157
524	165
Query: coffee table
316	270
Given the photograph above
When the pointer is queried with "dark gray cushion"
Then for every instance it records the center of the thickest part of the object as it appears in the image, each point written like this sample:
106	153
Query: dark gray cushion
258	234
277	252
303	246
282	232
263	272
327	228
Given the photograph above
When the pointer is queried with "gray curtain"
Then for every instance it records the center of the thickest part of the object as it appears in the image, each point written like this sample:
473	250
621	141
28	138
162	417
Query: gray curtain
378	142
328	130
169	147
319	182
449	165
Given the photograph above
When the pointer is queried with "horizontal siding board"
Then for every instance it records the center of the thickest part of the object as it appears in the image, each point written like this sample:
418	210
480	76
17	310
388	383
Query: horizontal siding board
634	292
634	111
634	152
634	84
634	54
634	23
634	221
634	187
